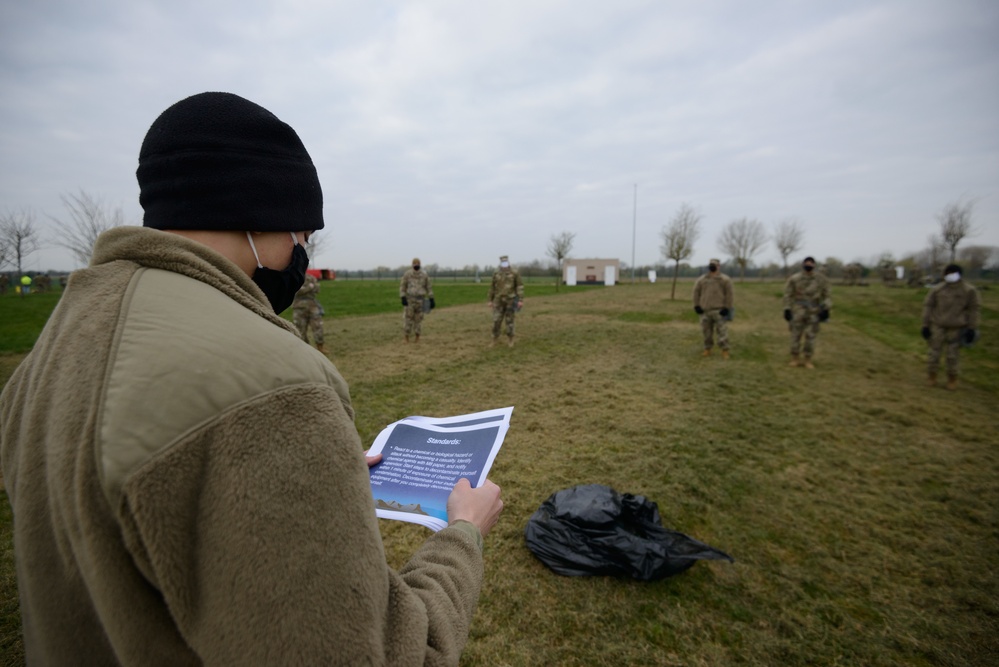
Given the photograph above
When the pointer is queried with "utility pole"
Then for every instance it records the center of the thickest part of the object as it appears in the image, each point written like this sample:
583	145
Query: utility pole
634	224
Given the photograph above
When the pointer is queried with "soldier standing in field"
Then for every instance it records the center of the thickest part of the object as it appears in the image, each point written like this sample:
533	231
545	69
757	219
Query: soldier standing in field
308	313
806	304
713	302
950	317
413	289
506	297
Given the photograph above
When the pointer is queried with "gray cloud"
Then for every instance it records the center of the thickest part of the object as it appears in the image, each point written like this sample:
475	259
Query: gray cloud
461	131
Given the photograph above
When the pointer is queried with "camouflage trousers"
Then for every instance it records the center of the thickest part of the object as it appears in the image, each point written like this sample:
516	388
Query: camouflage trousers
941	337
412	316
309	315
804	324
712	322
504	311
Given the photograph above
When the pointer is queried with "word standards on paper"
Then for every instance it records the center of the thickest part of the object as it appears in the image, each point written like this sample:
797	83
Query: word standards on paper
424	457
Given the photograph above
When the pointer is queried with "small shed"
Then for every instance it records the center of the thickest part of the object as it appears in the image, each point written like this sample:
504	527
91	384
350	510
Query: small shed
591	271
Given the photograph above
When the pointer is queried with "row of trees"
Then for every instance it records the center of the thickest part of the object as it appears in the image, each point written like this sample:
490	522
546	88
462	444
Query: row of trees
741	239
977	261
744	238
88	218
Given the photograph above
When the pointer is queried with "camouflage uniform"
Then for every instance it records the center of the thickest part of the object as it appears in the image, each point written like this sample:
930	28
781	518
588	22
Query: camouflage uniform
949	310
308	313
806	295
414	288
712	294
506	295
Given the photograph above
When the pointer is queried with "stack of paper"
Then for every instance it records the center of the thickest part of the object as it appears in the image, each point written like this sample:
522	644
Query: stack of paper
424	457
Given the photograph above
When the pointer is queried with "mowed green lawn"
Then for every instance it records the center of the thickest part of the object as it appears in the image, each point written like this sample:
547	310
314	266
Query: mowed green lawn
861	506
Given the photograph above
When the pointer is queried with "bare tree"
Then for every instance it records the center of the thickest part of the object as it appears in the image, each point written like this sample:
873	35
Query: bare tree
955	224
934	254
679	238
974	258
89	218
789	236
4	251
742	240
559	247
316	246
18	237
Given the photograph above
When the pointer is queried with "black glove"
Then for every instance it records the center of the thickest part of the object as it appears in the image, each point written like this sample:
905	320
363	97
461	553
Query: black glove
787	314
823	315
925	331
969	336
405	301
723	312
698	310
433	304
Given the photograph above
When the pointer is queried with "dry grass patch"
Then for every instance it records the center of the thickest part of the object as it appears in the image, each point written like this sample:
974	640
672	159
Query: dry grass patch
860	505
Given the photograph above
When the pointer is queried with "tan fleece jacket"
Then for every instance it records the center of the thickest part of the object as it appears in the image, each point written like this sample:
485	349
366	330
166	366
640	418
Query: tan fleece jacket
188	486
952	306
713	292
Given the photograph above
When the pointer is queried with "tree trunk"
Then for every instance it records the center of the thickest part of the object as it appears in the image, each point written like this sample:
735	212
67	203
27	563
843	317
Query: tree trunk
676	272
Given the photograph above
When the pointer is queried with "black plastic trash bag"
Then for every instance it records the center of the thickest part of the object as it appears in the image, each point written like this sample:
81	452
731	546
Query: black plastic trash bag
592	529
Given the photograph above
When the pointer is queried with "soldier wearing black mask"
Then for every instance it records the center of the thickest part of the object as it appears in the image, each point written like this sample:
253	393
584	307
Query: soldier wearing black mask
806	304
713	301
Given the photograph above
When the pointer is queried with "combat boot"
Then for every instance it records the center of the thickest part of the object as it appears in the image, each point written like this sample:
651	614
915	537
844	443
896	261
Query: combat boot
932	380
794	360
407	338
510	342
952	382
321	348
417	340
725	354
706	353
808	363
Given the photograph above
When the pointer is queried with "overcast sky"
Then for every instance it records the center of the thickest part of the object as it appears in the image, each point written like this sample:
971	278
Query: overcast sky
459	131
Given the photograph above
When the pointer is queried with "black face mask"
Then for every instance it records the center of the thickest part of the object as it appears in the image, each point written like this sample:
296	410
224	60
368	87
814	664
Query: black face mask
808	267
416	267
712	267
280	286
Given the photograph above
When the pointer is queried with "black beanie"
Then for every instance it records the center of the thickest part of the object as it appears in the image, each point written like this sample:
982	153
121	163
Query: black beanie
952	268
216	161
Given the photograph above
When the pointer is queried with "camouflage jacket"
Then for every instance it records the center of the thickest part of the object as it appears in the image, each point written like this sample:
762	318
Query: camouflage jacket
952	305
713	292
415	285
506	286
808	290
309	291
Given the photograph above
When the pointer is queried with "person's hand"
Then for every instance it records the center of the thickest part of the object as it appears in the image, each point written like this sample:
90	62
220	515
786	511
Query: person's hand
969	336
492	304
372	461
698	310
405	301
926	333
520	304
723	312
787	314
433	304
481	506
823	315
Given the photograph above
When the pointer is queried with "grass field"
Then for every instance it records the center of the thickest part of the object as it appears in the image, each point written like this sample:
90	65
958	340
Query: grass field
861	506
